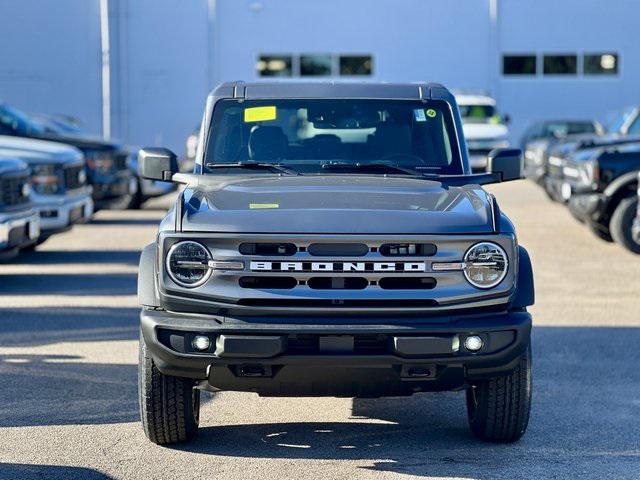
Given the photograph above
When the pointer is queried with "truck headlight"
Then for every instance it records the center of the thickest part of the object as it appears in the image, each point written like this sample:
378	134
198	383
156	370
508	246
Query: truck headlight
485	265
44	179
188	263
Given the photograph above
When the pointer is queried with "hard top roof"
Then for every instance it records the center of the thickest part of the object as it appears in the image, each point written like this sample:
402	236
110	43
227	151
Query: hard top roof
332	89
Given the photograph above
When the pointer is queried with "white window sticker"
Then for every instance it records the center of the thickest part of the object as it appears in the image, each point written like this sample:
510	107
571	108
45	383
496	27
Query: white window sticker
419	115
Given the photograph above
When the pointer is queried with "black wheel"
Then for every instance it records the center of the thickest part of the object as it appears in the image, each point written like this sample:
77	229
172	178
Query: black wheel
600	231
498	408
621	221
136	199
169	406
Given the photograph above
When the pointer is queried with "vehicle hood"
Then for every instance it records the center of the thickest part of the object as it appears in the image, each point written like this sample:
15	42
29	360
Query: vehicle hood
484	131
83	142
349	204
11	165
38	151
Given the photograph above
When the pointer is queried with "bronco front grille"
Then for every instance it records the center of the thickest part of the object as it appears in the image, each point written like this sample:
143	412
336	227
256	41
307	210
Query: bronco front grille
335	272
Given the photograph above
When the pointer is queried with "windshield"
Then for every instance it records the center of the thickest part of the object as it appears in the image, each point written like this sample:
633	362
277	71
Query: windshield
562	129
15	122
479	114
308	135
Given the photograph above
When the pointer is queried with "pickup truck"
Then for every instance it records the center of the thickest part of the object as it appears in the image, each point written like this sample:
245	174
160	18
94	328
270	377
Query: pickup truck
332	241
603	185
19	222
106	162
59	190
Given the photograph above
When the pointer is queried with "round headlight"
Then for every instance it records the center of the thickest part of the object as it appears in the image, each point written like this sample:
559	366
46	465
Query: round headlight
188	263
485	265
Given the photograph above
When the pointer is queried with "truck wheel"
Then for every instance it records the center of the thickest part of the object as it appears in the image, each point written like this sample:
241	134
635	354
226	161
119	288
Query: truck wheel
169	406
498	408
600	231
621	221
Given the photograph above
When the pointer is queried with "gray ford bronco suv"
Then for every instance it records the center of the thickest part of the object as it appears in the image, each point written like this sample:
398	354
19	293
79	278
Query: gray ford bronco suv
332	241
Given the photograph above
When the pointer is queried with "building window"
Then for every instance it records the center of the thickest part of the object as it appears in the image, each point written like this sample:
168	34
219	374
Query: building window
560	64
600	64
315	65
274	66
356	65
519	65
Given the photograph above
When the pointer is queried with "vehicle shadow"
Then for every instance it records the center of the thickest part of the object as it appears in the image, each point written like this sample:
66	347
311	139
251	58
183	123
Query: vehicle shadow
40	326
70	257
585	422
21	471
77	284
125	221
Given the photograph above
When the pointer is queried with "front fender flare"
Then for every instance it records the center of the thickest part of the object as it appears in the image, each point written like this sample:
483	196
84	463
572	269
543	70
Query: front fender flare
525	291
147	292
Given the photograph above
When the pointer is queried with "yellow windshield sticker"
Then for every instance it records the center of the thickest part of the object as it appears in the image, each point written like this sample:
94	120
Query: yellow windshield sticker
431	113
264	205
260	114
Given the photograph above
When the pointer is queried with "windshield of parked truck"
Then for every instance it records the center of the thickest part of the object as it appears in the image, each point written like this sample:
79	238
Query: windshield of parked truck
15	122
316	135
479	114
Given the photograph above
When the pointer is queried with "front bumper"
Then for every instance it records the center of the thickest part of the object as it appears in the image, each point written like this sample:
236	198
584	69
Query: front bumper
19	230
587	206
57	212
109	190
337	357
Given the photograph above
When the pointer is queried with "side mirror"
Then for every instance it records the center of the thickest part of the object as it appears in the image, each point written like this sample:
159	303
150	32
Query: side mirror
506	162
157	164
506	119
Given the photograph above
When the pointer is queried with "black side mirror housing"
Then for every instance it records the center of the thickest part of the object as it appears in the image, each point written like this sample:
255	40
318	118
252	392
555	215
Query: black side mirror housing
157	164
507	163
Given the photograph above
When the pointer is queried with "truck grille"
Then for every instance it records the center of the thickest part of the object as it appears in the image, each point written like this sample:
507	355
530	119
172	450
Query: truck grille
12	190
73	177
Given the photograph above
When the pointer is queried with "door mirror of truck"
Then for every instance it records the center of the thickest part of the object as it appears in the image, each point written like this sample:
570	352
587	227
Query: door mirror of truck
506	162
157	164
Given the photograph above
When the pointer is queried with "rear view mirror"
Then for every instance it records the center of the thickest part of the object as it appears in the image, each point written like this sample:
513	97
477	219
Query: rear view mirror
157	164
506	162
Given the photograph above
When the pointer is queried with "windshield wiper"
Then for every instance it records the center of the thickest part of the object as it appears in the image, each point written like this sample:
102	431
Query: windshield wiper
372	167
254	165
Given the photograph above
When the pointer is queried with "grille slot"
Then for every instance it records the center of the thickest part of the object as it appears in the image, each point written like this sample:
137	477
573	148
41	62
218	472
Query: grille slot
11	190
407	283
338	249
338	283
268	249
284	283
72	177
408	250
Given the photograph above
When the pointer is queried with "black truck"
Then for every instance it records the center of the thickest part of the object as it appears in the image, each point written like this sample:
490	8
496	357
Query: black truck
106	162
332	241
603	185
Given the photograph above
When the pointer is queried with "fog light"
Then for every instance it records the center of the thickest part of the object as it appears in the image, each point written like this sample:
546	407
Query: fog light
201	342
473	343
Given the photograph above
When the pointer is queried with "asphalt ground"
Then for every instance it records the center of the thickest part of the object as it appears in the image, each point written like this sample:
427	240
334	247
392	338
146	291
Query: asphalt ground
68	356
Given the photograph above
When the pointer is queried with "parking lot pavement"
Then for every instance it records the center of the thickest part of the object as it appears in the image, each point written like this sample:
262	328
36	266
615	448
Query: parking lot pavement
68	353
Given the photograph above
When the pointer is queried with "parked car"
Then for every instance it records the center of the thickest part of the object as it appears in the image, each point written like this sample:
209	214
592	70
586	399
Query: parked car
19	222
603	186
59	189
191	145
332	241
555	183
106	162
484	128
540	137
625	127
559	129
143	189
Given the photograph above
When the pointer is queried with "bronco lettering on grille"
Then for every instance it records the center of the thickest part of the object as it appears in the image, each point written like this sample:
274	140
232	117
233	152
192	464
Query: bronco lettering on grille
259	266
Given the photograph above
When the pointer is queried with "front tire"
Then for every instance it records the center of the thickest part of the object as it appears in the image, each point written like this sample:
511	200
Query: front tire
621	222
169	406
498	408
